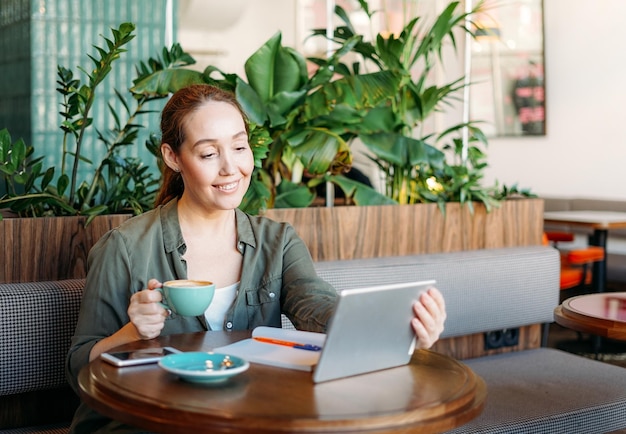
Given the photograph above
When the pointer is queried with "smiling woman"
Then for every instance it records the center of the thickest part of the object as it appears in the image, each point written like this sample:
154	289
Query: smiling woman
196	232
261	268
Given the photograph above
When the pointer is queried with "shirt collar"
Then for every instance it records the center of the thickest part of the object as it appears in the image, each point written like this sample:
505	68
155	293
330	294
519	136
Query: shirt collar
245	234
173	236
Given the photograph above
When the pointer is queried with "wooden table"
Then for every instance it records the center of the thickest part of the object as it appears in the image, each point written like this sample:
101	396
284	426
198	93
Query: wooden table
434	393
600	222
599	314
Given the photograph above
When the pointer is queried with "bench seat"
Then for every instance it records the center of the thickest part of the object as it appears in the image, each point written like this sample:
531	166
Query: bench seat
531	390
548	391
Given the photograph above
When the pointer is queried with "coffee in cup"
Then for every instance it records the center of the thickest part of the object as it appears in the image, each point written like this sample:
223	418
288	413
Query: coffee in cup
187	297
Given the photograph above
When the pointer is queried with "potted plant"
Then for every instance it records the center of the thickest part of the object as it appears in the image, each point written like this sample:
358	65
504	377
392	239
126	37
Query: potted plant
49	247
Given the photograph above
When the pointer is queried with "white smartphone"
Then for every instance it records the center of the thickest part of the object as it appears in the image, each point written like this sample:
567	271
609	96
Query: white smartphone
137	357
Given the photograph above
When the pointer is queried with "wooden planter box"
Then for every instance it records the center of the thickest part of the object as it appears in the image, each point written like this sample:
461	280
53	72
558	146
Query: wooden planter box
49	248
353	232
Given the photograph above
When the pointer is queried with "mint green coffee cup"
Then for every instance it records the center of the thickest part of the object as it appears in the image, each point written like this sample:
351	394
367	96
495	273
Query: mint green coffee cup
187	297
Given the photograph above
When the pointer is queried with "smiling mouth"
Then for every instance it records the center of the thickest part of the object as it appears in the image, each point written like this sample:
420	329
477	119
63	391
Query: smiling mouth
228	187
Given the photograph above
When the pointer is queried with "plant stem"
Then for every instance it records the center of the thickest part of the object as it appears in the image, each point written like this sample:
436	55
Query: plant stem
103	67
79	141
114	146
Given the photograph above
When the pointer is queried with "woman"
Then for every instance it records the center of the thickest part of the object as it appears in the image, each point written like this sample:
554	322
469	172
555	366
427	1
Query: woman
261	268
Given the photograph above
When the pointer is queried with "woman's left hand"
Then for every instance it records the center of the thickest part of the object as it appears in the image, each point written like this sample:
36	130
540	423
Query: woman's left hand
430	314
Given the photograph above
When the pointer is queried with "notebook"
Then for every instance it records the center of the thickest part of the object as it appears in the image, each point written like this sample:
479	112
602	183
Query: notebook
369	330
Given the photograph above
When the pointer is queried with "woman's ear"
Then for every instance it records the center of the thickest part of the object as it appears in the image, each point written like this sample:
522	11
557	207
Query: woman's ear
169	157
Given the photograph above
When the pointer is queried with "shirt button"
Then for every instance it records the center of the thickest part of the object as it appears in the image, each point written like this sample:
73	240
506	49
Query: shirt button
229	325
272	295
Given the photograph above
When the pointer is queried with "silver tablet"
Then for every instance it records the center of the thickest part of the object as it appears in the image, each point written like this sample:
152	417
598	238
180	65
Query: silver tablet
370	330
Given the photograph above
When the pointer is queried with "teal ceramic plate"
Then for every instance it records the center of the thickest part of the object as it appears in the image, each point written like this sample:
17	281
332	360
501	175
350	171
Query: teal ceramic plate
199	367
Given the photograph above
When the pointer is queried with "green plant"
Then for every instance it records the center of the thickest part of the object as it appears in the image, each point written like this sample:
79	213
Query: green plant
118	184
303	124
300	124
414	164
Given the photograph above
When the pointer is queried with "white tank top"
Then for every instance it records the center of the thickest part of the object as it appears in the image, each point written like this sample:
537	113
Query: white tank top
222	300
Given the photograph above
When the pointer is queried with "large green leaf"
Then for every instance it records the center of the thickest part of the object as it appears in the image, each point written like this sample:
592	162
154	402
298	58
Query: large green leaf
318	148
360	193
274	68
251	102
284	101
161	83
382	118
290	195
359	92
402	150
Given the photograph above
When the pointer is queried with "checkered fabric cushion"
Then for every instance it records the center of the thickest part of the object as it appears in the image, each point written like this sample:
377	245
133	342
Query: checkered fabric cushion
46	429
548	391
37	321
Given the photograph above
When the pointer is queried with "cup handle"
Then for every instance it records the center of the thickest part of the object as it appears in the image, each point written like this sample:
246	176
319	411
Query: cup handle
162	304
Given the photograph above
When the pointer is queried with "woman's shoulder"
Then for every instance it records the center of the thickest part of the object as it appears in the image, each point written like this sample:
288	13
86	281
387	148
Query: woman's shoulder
143	221
148	224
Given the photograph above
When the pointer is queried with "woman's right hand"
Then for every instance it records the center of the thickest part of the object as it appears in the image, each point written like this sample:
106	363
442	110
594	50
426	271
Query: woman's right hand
145	312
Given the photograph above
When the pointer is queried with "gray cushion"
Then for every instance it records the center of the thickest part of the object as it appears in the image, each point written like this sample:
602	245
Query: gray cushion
484	289
37	321
549	391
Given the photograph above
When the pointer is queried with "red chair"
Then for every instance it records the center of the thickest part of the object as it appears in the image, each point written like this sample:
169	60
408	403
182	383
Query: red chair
576	263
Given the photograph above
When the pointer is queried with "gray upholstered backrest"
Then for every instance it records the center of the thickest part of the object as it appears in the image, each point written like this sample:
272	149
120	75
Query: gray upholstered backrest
37	321
490	289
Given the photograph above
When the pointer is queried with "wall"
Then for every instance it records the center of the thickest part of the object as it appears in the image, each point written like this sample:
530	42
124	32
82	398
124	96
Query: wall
584	151
37	36
225	33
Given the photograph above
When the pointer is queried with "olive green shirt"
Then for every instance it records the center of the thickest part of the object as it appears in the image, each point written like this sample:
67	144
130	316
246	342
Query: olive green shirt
277	277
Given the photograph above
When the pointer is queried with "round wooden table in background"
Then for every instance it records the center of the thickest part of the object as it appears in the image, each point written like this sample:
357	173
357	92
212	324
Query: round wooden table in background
433	393
599	314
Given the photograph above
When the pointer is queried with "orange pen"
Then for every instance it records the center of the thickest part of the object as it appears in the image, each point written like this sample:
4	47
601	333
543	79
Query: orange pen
308	347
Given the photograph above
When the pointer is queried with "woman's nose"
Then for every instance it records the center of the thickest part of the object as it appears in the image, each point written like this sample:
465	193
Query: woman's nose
228	164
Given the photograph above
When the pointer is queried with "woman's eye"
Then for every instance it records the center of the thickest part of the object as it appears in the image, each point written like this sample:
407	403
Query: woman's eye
209	155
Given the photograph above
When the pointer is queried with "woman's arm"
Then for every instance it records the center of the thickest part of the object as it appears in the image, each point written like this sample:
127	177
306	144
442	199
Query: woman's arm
307	300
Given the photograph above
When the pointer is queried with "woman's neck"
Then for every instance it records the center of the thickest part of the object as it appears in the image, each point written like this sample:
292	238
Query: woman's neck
211	245
195	217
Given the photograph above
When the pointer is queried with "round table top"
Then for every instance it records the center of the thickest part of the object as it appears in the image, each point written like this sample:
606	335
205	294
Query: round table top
433	393
601	314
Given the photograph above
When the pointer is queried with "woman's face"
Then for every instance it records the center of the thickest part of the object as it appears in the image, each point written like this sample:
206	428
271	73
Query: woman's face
215	160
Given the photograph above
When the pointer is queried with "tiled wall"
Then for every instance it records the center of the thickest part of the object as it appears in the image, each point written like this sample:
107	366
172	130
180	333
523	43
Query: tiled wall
15	67
38	35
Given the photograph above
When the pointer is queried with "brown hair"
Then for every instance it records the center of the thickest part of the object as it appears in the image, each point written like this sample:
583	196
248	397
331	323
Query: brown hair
180	105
